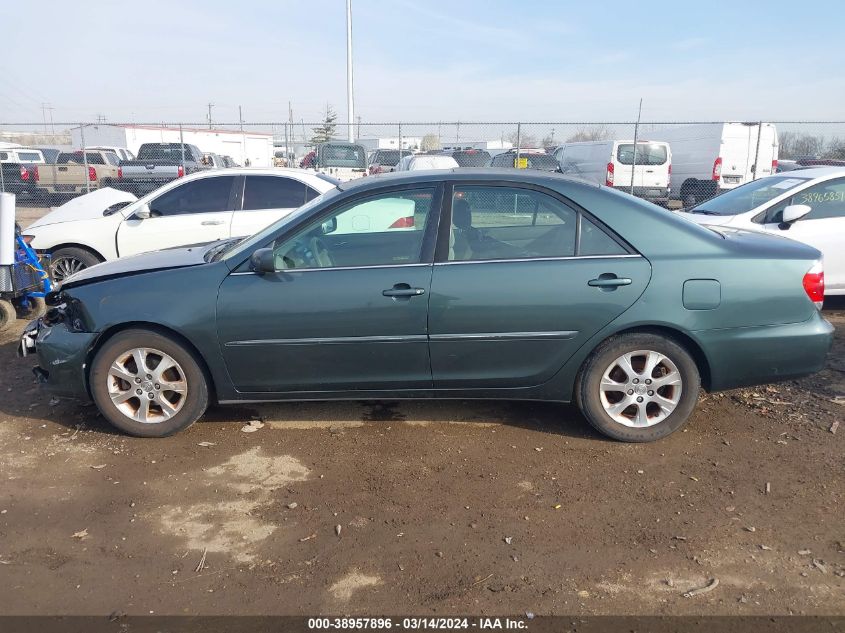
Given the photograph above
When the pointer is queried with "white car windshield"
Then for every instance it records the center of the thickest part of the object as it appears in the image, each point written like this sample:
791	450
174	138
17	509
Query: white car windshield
749	196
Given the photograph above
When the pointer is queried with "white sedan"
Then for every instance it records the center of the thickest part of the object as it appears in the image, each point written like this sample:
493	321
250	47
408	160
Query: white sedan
202	207
807	205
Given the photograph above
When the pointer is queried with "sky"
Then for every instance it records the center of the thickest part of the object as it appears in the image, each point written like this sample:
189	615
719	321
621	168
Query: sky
423	60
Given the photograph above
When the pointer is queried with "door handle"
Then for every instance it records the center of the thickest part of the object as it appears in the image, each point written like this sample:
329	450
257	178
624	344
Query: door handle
211	222
609	281
403	290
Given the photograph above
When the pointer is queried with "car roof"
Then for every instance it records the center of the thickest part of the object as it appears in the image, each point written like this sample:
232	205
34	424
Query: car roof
535	176
811	172
306	175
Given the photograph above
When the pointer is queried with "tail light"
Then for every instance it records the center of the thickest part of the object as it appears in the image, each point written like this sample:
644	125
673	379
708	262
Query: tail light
669	176
814	284
717	169
35	175
403	223
92	174
24	173
27	239
774	165
608	178
120	172
180	171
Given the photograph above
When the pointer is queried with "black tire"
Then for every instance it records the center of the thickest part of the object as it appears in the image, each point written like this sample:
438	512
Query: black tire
195	400
37	308
588	392
7	315
81	257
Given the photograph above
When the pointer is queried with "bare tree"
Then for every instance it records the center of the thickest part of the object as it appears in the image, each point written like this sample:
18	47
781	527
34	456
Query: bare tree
525	140
430	143
595	133
794	145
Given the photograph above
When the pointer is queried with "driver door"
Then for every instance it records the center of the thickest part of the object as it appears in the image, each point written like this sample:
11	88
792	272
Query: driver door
193	212
346	309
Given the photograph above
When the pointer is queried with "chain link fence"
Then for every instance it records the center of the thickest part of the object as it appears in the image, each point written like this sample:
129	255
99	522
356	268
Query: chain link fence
674	163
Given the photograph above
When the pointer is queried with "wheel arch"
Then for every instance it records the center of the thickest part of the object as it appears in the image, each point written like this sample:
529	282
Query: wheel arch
110	332
679	336
85	247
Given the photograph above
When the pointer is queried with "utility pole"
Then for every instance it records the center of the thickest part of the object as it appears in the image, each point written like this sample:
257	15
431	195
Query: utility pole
359	127
44	115
350	107
636	137
210	105
52	127
241	118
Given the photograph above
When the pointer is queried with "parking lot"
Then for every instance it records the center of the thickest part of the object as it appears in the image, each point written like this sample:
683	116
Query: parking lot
425	507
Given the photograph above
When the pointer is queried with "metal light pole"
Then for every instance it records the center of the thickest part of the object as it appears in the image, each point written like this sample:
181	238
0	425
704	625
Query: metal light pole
350	107
636	138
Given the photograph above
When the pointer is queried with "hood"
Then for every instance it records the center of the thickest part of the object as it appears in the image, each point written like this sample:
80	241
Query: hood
87	207
138	264
703	218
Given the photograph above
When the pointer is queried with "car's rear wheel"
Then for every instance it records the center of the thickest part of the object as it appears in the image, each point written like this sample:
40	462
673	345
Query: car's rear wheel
69	260
638	387
148	384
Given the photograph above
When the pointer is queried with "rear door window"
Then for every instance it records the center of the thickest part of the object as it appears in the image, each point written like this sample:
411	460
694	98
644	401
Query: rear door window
273	192
506	223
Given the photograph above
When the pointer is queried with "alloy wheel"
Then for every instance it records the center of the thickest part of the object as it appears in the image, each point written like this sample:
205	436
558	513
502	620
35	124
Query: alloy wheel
64	267
641	388
147	385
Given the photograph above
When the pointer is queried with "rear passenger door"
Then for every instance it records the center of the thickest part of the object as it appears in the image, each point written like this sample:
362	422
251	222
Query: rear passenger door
521	280
265	199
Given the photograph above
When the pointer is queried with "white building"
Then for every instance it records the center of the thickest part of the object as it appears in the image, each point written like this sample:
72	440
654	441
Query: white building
495	144
408	142
255	146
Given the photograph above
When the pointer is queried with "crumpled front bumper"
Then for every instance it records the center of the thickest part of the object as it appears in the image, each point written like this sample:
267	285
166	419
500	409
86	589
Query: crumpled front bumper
62	357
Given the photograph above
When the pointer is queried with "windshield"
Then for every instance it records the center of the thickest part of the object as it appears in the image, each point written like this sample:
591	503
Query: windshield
332	155
749	196
165	151
647	154
237	248
472	158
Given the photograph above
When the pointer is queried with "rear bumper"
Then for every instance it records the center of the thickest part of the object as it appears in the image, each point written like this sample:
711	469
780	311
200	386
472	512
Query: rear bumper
740	357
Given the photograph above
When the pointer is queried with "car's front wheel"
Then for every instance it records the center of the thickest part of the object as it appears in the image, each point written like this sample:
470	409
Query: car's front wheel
638	387
67	261
148	384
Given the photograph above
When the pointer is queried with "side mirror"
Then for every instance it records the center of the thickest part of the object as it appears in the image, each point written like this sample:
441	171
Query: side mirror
795	212
329	226
143	213
263	261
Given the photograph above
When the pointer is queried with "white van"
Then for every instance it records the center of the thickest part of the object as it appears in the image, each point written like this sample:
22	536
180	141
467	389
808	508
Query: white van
710	158
611	163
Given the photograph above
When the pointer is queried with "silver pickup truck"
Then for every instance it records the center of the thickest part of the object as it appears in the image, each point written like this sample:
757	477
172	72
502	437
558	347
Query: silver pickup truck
157	164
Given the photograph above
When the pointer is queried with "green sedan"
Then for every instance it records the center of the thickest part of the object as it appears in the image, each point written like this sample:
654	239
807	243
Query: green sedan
507	284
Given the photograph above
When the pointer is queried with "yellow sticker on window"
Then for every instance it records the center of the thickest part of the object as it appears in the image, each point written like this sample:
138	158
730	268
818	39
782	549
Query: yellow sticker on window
520	163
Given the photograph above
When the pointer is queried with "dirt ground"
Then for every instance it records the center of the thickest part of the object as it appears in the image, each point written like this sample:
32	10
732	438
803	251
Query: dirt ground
442	507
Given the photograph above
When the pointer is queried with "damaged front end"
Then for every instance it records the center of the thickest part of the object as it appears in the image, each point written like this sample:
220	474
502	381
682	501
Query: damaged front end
61	340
